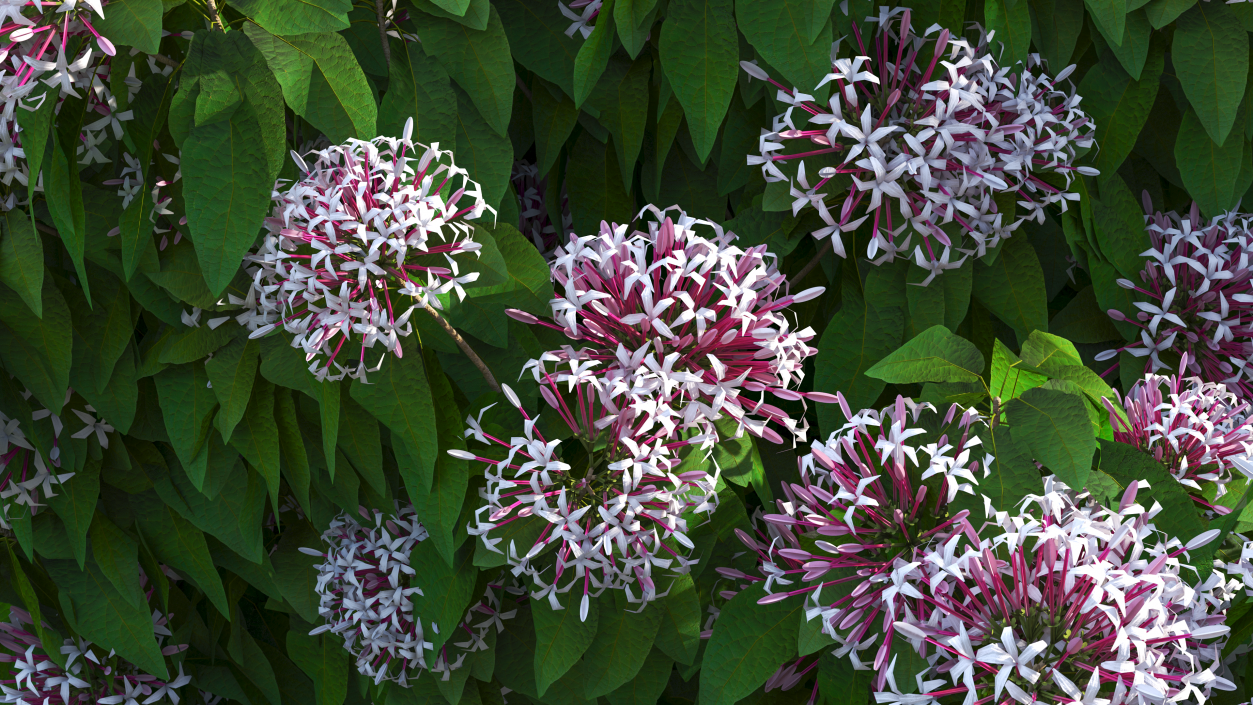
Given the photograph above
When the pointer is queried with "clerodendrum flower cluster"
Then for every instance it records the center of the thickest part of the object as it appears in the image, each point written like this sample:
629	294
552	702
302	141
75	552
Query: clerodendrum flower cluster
855	536
367	589
534	220
924	145
1198	430
678	324
365	238
1069	602
1196	298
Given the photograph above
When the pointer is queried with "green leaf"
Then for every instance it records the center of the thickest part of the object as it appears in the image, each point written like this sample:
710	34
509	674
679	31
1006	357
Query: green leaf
447	589
75	503
935	355
1210	53
594	184
65	200
621	96
749	642
30	600
418	88
106	618
254	437
1134	49
1012	287
179	544
227	190
1009	377
840	684
593	56
486	154
360	440
22	259
624	639
188	405
325	661
440	506
151	106
538	41
515	651
321	82
699	54
1011	20
1120	107
38	351
296	573
786	35
1209	171
135	23
294	461
1163	12
1083	320
118	558
1109	295
561	637
1055	427
103	334
1120	227
634	19
554	118
1055	28
679	634
646	688
232	370
1126	464
285	17
232	515
480	63
400	397
1110	16
1050	352
1013	475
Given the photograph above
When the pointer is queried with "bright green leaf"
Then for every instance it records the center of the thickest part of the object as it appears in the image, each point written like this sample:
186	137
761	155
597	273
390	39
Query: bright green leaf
1210	53
700	56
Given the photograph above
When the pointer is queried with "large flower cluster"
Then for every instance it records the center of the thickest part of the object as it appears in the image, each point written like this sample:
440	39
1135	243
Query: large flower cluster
1070	602
367	587
924	145
607	503
1198	430
26	475
534	219
1196	298
90	676
679	325
353	248
873	503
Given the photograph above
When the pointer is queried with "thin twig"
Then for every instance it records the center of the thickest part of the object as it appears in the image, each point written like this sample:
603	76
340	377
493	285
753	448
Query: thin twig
465	348
382	15
525	91
217	18
822	251
165	60
46	230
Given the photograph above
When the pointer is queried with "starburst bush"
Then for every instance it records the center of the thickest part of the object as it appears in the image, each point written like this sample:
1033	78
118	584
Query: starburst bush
497	352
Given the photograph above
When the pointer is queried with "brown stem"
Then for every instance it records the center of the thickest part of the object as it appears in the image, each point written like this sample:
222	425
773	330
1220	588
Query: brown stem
217	18
382	16
822	251
465	347
165	60
522	86
46	230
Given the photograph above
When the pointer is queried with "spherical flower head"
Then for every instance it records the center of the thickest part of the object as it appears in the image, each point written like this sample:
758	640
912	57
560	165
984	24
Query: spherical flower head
679	324
534	221
1198	430
602	509
1195	298
871	502
366	237
92	675
1068	602
367	588
956	150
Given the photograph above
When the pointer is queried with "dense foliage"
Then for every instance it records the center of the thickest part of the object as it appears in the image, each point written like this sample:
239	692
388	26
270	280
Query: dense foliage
631	351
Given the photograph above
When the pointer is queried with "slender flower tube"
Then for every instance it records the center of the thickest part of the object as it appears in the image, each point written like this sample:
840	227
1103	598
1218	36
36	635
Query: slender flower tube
680	325
1194	298
367	589
1071	602
957	150
365	238
602	509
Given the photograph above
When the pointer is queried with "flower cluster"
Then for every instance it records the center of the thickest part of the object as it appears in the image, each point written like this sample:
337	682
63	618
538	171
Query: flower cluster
678	324
607	502
922	144
26	476
165	222
582	14
1198	430
1070	602
534	221
90	676
873	502
366	588
368	220
1197	298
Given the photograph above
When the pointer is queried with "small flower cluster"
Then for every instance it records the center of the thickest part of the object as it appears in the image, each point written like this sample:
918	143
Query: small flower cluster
368	220
534	221
1197	298
611	507
677	323
26	476
90	676
1197	429
1069	602
860	531
926	145
582	14
165	222
367	587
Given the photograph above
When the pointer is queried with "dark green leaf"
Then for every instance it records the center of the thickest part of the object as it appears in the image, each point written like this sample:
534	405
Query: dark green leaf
679	633
634	19
188	405
1110	16
593	56
1119	106
782	32
1012	287
561	637
22	259
479	62
840	684
400	397
418	88
749	642
554	118
1011	20
1126	464
646	688
65	201
1055	427
1209	171
232	370
118	558
621	96
1055	27
486	154
135	23
325	661
1120	229
624	639
180	545
1083	320
295	572
447	589
1210	53
297	16
537	38
38	351
75	503
1013	475
595	187
699	54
